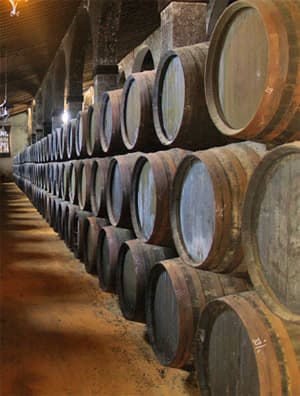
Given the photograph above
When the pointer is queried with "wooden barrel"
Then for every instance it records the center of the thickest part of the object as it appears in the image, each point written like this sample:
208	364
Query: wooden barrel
84	184
152	179
180	112
55	220
93	147
62	145
93	227
71	138
137	128
110	123
110	240
61	218
119	188
66	168
81	134
69	225
73	181
248	95
49	198
55	139
58	179
271	230
98	186
176	295
53	175
215	8
44	148
79	232
134	264
243	349
48	148
206	209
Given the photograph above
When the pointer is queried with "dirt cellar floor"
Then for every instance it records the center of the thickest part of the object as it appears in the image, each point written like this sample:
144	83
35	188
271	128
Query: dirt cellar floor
61	335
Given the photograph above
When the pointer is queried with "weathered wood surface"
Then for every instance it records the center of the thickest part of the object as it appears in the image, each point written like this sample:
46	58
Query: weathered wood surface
84	184
69	225
137	128
119	189
243	347
65	180
176	295
71	138
81	135
206	207
271	230
110	123
93	147
98	186
90	245
110	240
73	181
79	232
180	113
248	95
134	264
152	180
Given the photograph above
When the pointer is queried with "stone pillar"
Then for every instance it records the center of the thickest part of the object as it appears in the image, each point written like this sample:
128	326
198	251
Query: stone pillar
105	79
74	105
183	23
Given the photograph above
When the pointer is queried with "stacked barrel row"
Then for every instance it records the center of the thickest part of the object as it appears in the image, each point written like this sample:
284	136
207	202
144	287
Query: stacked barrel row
229	304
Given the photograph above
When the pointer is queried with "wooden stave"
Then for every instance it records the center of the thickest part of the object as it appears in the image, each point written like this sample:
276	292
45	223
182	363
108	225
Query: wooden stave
81	134
65	180
126	165
250	210
163	165
84	202
280	375
193	289
222	257
192	59
61	216
145	256
99	210
69	224
92	149
73	192
62	148
116	237
266	126
79	232
54	213
58	182
96	224
115	145
71	136
146	136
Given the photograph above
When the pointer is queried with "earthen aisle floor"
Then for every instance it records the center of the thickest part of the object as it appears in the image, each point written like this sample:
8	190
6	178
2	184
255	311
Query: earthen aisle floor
60	335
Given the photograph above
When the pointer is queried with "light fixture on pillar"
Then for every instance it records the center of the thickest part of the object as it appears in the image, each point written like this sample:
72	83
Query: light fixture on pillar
65	116
14	4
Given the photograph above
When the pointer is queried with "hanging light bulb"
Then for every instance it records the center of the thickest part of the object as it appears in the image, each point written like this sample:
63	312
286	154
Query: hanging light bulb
14	5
